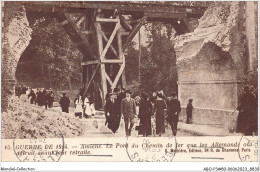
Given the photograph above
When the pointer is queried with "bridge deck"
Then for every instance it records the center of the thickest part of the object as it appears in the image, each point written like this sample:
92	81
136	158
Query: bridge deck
190	7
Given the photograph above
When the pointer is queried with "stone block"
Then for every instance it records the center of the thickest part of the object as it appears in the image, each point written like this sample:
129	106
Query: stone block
220	118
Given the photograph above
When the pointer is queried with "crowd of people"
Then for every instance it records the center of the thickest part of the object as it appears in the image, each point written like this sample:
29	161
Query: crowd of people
153	112
39	96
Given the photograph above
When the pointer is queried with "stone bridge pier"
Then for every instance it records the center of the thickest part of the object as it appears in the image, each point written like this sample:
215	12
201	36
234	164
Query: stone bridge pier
212	60
16	37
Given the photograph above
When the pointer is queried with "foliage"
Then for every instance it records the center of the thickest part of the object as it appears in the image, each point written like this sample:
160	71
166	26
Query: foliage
251	79
52	48
132	68
158	64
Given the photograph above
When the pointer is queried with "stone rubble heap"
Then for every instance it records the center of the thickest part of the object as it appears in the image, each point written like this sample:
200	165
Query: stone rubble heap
23	120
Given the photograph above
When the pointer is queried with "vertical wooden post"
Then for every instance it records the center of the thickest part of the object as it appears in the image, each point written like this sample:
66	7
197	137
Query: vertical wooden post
102	66
82	75
88	74
120	54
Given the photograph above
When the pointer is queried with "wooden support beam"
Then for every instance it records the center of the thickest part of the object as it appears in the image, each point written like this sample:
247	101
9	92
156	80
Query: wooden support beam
103	81
93	20
87	32
124	33
134	32
91	79
81	19
107	20
121	55
112	61
165	15
122	67
102	66
76	28
111	46
123	73
109	41
90	62
124	23
108	79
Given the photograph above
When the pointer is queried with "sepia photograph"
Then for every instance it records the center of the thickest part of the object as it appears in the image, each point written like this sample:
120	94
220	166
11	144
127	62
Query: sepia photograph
129	81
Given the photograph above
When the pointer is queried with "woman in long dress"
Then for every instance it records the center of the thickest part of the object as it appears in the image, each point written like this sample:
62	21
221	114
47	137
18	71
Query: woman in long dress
78	109
87	108
145	113
159	108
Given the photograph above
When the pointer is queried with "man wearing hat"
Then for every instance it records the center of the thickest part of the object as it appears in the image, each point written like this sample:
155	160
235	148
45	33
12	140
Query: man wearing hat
173	109
128	110
65	103
111	112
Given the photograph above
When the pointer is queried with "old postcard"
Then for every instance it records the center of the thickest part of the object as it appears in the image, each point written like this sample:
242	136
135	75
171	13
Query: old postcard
122	81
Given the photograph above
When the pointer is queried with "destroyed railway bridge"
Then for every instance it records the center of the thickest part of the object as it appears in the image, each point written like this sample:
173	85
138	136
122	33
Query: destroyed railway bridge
103	30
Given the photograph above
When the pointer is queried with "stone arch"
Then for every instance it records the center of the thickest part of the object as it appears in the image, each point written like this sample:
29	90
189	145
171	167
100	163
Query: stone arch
16	37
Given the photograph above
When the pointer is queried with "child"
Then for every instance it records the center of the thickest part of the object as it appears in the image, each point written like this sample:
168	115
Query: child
189	111
78	109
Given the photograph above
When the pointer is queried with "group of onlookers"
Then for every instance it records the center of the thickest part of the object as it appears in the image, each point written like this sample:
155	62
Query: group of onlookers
156	109
39	96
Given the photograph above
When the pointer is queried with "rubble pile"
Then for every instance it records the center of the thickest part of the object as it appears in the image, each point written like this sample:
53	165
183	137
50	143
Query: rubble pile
23	120
215	26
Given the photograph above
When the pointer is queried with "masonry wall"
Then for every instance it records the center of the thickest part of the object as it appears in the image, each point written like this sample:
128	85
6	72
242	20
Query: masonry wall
211	62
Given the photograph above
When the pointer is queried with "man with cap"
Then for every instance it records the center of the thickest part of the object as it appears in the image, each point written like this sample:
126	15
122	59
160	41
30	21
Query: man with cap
65	103
128	110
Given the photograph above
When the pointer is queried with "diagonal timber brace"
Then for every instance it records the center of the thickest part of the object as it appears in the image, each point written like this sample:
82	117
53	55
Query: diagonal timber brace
91	79
134	32
80	34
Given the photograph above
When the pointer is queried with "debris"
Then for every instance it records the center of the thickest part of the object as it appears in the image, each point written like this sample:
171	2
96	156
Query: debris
24	120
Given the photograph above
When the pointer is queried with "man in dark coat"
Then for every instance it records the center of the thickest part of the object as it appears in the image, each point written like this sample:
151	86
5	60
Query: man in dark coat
189	111
111	112
247	113
45	98
40	98
65	103
173	109
128	110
